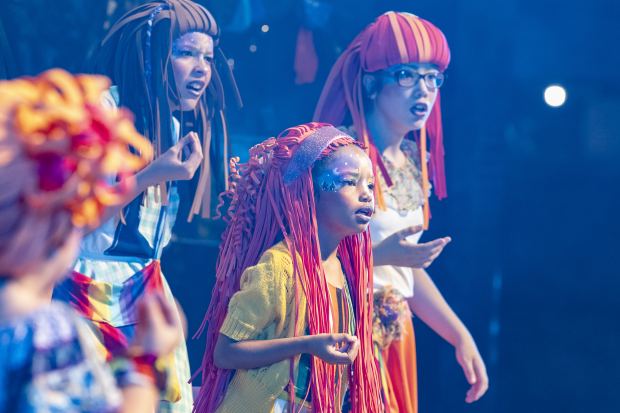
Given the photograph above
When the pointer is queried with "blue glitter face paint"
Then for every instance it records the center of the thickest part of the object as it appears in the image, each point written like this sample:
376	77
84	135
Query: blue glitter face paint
344	170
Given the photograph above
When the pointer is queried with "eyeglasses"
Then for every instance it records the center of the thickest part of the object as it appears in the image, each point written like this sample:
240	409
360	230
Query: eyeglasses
410	78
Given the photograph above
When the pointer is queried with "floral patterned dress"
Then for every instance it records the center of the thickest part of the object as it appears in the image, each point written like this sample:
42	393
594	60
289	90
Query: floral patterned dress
49	363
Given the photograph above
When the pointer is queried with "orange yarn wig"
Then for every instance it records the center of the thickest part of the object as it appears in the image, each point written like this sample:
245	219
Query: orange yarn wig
262	208
392	39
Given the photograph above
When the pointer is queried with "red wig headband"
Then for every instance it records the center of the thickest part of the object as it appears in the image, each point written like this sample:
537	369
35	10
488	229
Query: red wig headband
394	38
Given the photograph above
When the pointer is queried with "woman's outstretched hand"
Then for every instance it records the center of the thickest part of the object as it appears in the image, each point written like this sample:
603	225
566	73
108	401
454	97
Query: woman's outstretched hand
396	250
325	347
169	166
159	330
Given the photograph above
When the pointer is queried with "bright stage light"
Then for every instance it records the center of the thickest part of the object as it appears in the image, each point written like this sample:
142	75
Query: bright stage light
265	28
555	96
253	48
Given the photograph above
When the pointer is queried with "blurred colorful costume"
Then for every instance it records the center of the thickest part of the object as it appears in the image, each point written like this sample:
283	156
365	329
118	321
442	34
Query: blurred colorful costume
57	145
262	292
402	196
119	262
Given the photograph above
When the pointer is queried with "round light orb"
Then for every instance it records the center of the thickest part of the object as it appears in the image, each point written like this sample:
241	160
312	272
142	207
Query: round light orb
253	48
555	96
265	28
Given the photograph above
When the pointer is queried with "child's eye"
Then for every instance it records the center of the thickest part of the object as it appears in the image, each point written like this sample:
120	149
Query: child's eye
209	59
371	187
186	53
350	183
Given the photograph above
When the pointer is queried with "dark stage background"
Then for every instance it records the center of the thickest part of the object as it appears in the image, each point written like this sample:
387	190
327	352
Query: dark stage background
533	190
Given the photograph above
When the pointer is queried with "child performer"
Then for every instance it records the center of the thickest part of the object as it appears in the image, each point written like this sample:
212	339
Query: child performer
57	145
294	330
388	80
162	57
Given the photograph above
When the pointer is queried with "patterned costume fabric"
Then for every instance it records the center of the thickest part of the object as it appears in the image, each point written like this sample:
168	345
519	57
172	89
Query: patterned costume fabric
407	189
117	265
50	363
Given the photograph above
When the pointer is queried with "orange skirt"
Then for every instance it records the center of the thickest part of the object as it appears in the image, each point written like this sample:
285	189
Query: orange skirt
401	380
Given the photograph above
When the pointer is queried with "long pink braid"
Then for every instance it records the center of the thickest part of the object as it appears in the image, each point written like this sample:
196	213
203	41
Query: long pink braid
262	206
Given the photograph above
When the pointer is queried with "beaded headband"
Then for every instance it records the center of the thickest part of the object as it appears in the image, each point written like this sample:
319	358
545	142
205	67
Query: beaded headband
148	71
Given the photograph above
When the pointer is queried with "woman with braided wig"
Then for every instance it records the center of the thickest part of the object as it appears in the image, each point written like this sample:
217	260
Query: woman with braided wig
163	58
290	312
387	81
57	145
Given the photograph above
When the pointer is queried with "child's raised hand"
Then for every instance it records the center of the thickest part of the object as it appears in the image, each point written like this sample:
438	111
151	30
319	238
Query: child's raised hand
159	329
170	166
325	347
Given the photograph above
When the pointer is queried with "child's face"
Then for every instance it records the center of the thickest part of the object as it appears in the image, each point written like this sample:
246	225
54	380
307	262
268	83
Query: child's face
345	200
405	107
192	55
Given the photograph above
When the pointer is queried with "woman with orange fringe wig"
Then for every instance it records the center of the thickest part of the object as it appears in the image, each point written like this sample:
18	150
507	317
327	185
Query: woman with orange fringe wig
289	324
388	81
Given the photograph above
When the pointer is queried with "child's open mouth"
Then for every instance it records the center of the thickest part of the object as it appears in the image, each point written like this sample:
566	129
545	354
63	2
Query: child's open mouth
364	214
195	87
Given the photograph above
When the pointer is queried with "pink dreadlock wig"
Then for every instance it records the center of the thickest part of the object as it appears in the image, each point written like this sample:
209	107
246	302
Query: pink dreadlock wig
264	207
392	39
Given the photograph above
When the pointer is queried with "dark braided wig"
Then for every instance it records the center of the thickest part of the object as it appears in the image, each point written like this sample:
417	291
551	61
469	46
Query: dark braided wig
122	57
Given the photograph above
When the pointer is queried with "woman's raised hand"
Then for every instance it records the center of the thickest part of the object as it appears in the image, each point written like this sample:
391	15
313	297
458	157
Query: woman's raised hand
169	166
325	347
396	250
159	329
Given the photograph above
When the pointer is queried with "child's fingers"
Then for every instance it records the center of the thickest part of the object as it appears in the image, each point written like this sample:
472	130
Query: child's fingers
343	338
353	350
196	157
341	358
167	311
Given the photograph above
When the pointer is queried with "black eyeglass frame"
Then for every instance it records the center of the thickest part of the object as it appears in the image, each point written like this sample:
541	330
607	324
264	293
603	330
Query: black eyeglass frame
426	76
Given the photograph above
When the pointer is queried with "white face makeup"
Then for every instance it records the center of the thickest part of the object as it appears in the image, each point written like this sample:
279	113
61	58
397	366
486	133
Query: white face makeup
345	202
408	107
192	55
